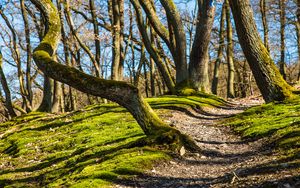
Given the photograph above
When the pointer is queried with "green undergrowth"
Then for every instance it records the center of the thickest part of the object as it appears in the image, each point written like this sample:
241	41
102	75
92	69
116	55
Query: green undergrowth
280	122
93	147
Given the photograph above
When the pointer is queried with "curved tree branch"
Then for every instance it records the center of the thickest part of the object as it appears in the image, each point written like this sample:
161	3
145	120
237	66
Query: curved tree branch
122	93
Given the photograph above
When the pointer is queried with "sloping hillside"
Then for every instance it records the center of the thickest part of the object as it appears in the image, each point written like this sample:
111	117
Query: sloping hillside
88	148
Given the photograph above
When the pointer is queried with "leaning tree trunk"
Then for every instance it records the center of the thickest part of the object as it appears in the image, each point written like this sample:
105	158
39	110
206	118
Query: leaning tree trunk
198	68
269	80
122	93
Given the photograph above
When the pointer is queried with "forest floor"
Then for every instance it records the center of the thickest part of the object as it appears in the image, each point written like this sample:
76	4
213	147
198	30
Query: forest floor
226	160
99	146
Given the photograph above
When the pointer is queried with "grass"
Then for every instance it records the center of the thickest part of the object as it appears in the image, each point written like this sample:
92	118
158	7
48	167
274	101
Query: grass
93	147
280	122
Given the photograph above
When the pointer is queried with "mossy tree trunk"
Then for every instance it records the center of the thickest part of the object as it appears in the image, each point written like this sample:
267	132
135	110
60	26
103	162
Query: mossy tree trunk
198	68
122	93
268	78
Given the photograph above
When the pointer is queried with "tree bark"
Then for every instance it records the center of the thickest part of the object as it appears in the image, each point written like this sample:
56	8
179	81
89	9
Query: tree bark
124	94
118	24
153	51
8	102
47	101
263	11
29	55
269	80
230	63
198	68
82	45
215	81
298	35
174	19
17	58
282	64
96	33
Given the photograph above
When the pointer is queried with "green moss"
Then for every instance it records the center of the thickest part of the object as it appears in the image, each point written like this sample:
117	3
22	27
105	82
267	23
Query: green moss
279	121
92	147
88	148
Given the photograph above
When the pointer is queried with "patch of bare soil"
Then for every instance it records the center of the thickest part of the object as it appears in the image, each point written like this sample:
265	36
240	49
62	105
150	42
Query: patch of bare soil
226	159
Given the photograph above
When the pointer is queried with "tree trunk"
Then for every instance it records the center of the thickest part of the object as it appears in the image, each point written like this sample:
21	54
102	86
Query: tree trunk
47	101
96	33
263	11
198	68
269	80
174	19
298	36
117	20
29	54
282	64
82	45
153	51
57	95
230	63
17	59
8	102
124	94
215	81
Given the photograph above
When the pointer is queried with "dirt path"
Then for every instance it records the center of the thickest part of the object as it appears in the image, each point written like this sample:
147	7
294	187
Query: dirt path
226	160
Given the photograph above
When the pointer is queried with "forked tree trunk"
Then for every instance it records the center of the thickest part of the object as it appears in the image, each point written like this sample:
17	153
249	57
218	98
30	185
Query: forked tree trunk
124	94
269	80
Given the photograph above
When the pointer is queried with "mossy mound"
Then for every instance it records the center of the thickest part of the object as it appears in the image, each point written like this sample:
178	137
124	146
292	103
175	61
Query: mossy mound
87	148
278	121
93	147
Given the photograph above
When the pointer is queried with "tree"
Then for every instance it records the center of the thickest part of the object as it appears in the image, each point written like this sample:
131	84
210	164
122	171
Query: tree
215	81
269	80
298	31
198	68
122	93
282	10
229	51
263	11
8	102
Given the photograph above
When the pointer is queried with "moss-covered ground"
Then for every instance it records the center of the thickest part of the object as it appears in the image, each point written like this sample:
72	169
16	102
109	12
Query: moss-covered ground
93	147
278	122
